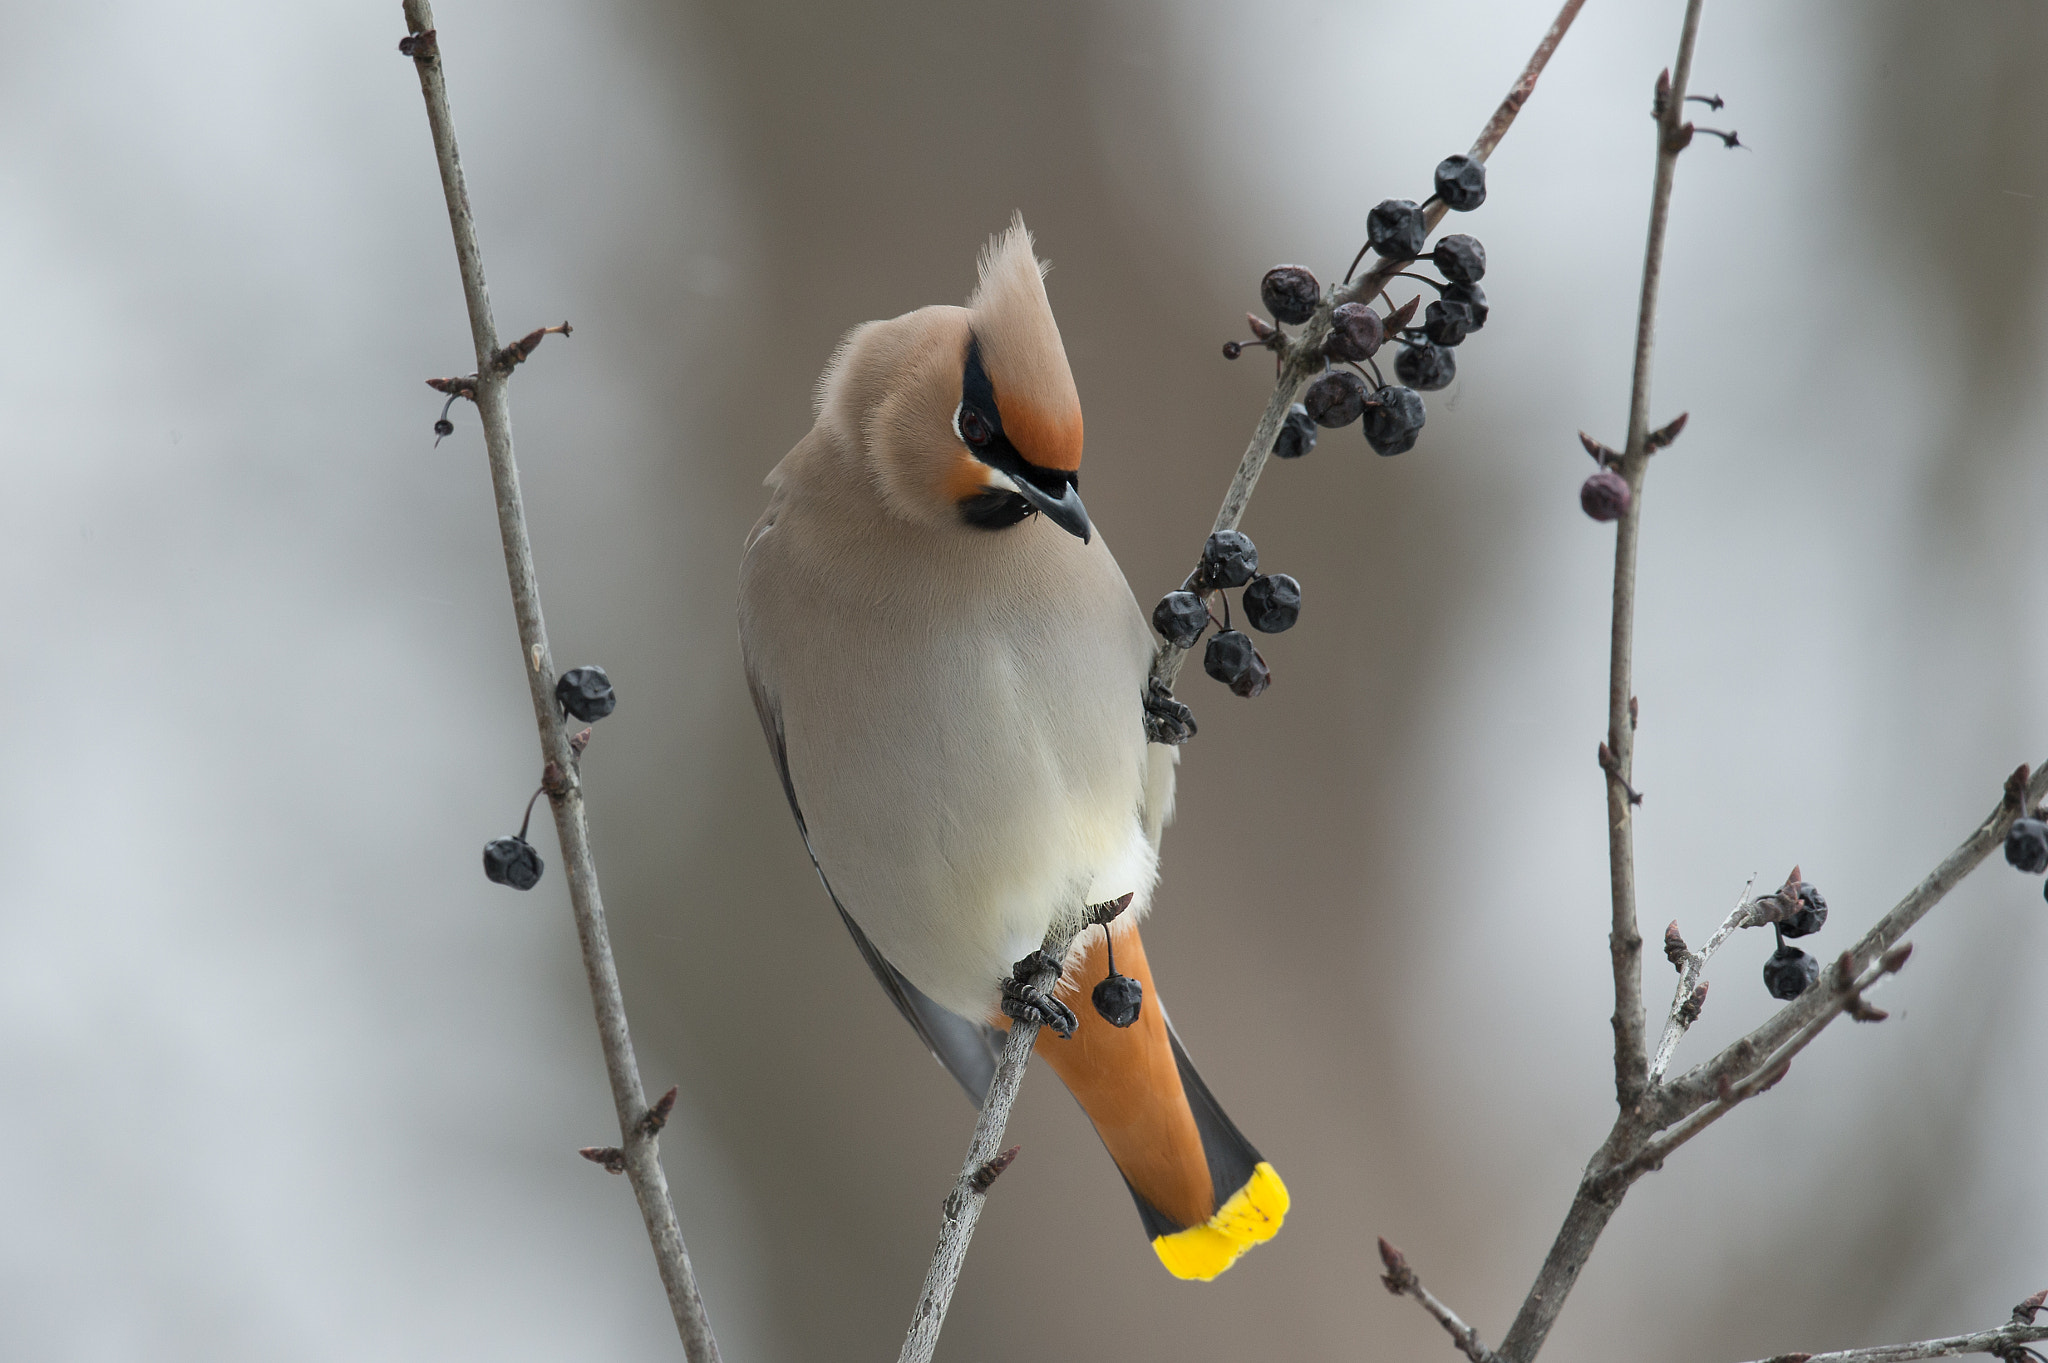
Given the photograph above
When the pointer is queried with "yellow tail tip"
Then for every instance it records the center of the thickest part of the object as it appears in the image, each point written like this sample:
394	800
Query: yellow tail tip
1251	1216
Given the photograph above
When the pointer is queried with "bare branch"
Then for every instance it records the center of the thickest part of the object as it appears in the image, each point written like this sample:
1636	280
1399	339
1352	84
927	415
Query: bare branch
638	1124
962	1208
1301	357
1401	1280
1691	965
1701	1084
2007	1342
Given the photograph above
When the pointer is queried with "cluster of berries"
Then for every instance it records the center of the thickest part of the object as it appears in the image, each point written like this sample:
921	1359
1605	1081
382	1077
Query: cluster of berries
586	693
1270	605
1796	909
1393	413
2026	846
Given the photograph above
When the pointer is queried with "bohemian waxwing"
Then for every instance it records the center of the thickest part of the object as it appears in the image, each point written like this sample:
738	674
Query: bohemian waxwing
951	672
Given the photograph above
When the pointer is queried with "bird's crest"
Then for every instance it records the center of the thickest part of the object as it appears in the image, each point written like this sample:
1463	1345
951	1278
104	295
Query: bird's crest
1020	346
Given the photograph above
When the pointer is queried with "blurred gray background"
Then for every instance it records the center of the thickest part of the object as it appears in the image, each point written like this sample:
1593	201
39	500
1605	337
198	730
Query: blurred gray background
281	1077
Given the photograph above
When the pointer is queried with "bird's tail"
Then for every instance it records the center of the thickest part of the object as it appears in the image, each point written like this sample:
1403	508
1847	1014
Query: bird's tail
1204	1193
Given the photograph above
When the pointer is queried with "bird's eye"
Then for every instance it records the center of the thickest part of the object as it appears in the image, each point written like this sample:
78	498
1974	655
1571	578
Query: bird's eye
974	427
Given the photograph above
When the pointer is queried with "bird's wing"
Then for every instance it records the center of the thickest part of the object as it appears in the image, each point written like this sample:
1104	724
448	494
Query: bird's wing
968	1049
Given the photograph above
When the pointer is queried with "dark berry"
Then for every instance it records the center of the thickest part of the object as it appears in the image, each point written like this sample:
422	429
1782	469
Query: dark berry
1426	367
444	427
1393	418
2026	846
586	692
1605	496
512	861
1229	655
1290	293
1461	183
1355	333
1255	678
1229	558
1232	349
1272	604
1473	297
1180	618
1790	972
1460	258
1336	398
1119	998
1297	434
1396	230
1813	912
1446	324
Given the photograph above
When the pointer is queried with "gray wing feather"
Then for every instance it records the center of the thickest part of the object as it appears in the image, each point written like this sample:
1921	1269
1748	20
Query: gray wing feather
969	1050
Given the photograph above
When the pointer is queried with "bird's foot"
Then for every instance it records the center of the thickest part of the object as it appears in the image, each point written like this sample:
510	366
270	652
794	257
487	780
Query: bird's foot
1028	1002
1167	721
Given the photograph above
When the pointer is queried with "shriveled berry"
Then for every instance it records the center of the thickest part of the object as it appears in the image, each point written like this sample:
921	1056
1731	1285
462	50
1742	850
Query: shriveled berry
2026	846
1355	333
1255	680
1605	496
1446	323
1336	398
1461	183
1290	293
1459	258
444	427
586	692
1180	618
1229	558
1473	297
1272	604
1297	434
1426	367
1396	230
1813	912
1119	999
512	861
1232	349
1790	972
1229	656
1393	419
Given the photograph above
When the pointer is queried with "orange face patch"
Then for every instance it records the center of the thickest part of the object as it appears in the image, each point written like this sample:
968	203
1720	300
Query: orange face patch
966	479
1047	439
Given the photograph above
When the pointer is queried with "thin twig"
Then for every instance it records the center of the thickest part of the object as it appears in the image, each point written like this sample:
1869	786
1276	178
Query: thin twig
637	1143
962	1208
1701	1084
2004	1342
1689	983
1300	358
1402	1280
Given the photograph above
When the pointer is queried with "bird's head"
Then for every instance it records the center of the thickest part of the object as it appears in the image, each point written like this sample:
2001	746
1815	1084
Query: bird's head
969	415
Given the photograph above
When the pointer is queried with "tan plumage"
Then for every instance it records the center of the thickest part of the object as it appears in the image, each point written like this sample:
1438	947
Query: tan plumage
953	689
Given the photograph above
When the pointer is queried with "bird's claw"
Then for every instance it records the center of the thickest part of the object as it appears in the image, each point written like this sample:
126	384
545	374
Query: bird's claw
1027	1002
1167	721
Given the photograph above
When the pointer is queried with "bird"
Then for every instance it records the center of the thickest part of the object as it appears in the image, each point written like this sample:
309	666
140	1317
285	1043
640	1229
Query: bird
952	675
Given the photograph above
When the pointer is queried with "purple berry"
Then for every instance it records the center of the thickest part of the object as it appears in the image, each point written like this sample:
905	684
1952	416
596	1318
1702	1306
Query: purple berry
1790	972
1336	398
1119	999
1461	183
586	692
1446	324
1396	230
1229	656
2026	846
1426	367
1356	333
1605	496
1290	293
512	861
1272	604
1255	679
1297	434
1813	912
1461	259
1229	558
1180	618
1473	297
1393	419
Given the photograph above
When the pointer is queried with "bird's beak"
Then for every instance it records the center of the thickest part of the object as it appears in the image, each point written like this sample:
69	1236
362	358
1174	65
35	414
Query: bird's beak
1064	511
